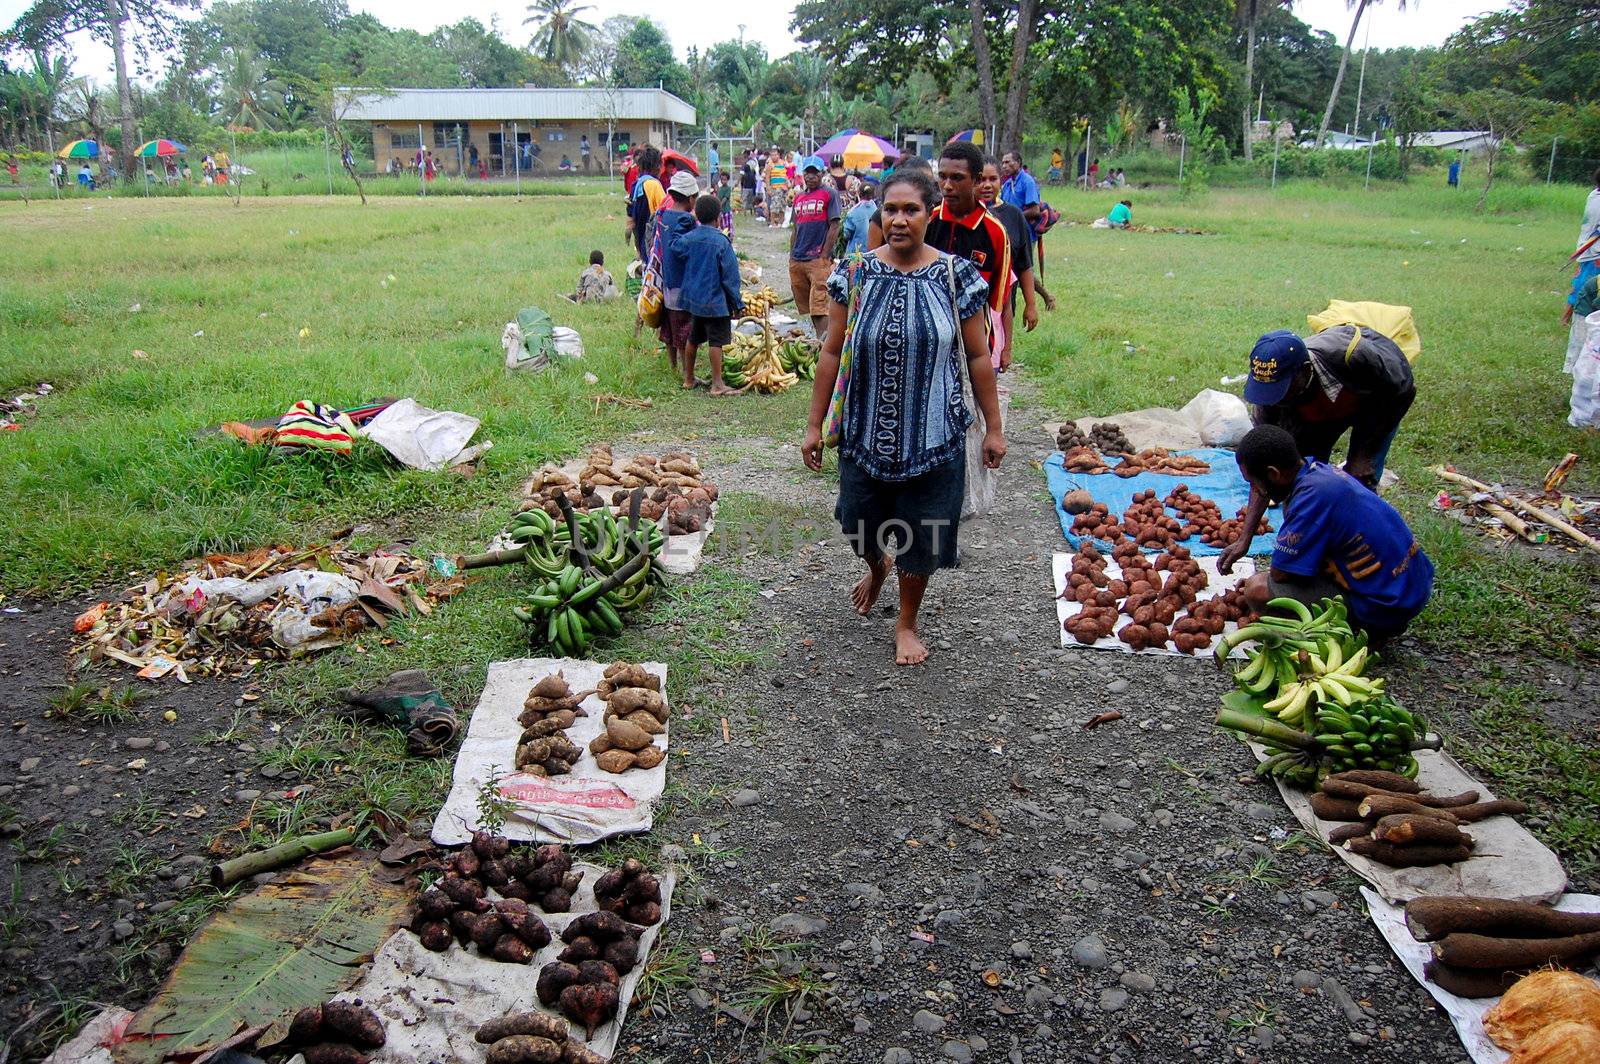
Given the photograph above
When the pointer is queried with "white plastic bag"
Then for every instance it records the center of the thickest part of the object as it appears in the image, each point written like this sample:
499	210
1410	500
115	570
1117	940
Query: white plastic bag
1221	417
419	437
1586	380
568	343
978	499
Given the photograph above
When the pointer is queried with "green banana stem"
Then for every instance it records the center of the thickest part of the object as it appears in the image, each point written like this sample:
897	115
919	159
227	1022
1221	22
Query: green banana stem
1264	728
577	551
510	556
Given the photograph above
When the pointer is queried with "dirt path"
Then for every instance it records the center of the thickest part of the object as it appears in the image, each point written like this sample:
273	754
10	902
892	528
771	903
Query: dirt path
973	876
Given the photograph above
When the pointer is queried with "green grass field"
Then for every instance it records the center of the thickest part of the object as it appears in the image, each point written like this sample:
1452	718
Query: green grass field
112	477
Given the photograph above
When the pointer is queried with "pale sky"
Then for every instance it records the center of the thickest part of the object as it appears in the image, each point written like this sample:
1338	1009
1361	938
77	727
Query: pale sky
1424	22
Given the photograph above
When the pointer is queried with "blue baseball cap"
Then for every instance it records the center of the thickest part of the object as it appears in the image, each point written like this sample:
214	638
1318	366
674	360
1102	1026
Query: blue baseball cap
1274	361
813	162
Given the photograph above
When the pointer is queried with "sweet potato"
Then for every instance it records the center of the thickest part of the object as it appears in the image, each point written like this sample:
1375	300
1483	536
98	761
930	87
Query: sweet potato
590	1004
512	950
1467	950
575	1052
628	700
615	760
552	686
541	1024
648	757
645	722
333	1053
626	735
1407	856
600	744
622	674
306	1025
1429	919
524	1049
1406	829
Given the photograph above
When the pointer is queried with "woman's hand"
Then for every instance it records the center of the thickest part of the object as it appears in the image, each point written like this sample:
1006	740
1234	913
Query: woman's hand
811	449
994	448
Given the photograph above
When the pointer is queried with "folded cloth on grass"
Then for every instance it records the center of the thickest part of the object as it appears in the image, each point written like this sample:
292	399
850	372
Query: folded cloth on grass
409	700
1224	485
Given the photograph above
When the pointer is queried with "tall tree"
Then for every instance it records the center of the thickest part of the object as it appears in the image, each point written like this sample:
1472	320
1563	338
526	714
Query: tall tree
1017	84
1249	12
985	65
1344	63
152	22
251	97
645	59
1504	116
561	35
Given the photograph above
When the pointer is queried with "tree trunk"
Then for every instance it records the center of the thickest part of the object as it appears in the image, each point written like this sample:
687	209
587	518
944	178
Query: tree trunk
1017	87
1492	154
130	134
1338	79
980	49
1250	80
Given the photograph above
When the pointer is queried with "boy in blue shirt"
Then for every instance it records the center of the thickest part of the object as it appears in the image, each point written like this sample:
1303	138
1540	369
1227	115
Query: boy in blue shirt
1337	537
703	257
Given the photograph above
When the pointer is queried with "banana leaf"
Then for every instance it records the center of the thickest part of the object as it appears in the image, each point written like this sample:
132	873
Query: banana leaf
1245	702
292	943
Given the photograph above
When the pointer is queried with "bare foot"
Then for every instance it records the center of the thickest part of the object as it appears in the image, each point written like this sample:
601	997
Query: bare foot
908	647
723	389
865	594
689	385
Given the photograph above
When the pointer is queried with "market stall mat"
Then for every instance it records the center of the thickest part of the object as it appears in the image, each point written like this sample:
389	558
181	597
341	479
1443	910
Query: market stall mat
1224	485
1466	1014
432	1004
1061	568
584	806
1507	861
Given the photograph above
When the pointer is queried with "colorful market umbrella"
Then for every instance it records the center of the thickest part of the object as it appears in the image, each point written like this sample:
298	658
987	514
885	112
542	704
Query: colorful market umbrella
79	149
974	135
858	149
673	161
160	148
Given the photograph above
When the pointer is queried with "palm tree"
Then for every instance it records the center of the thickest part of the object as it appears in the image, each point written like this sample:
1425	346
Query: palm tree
1344	61
561	36
251	97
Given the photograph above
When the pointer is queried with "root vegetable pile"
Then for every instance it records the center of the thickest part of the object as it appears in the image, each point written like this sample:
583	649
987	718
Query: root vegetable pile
1110	439
549	710
1160	597
533	1037
1392	820
1098	522
583	981
1069	437
1083	460
1485	947
457	905
683	511
1147	521
549	485
631	892
1162	461
636	712
336	1032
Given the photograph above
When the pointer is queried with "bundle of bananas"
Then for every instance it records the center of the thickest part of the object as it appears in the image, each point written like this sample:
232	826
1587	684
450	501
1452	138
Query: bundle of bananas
758	301
737	355
1303	695
799	356
590	572
765	373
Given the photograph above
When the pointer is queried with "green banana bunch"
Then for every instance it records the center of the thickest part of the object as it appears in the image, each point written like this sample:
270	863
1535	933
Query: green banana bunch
1378	733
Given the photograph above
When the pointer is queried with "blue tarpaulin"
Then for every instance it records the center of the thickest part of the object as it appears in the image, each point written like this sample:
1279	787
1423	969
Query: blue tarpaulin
1224	485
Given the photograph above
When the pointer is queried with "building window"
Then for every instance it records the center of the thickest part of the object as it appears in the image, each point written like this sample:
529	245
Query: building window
447	134
555	134
404	140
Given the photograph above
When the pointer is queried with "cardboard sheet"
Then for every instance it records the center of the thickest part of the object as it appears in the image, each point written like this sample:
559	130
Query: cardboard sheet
586	805
1508	862
432	1004
1466	1014
1224	485
1061	566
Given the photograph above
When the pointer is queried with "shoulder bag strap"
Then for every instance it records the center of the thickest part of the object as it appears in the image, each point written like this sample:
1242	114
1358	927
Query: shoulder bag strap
955	311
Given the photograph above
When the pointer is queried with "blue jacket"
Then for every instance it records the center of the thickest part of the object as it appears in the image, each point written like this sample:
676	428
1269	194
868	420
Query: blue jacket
672	225
704	261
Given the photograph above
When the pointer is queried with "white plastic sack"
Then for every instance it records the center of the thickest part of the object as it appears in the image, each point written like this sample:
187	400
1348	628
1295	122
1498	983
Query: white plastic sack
420	437
1586	380
981	482
1221	417
1575	338
312	591
517	356
568	343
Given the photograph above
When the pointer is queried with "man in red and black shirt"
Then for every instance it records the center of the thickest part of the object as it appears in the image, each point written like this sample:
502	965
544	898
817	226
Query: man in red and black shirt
963	226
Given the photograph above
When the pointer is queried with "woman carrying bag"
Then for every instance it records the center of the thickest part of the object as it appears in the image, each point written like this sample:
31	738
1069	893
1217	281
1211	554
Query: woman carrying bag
906	349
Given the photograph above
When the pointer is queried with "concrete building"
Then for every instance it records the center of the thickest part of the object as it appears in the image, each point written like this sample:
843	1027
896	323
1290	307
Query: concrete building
505	128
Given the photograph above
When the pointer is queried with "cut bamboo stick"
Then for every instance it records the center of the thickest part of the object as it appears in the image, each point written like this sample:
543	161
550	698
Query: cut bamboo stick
1510	520
1535	512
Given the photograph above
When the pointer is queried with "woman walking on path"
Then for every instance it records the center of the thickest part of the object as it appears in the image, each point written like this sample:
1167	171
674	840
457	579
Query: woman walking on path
904	317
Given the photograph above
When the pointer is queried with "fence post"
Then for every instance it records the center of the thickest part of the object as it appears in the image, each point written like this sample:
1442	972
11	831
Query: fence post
517	145
1277	139
326	159
1183	149
422	164
1550	174
1370	146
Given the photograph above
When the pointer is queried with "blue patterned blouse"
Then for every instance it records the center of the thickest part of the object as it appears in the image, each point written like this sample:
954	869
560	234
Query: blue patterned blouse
904	413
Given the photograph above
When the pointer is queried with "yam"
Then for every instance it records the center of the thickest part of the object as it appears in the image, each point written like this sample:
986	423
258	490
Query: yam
1327	807
541	1024
512	950
1536	1001
598	972
1346	832
575	1052
602	925
648	757
524	1049
590	1004
333	1053
1389	781
1465	949
353	1022
554	978
1343	789
1407	829
616	761
1429	919
622	954
1469	982
435	936
306	1025
626	735
1388	853
1380	805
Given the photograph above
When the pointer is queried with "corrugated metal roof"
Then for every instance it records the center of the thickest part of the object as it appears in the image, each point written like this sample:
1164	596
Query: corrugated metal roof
506	105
